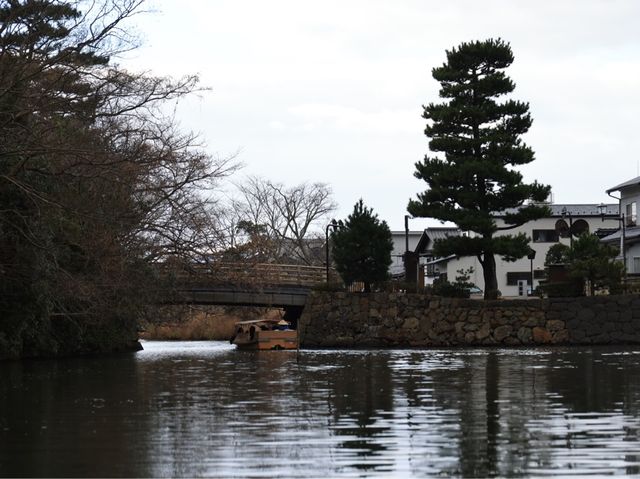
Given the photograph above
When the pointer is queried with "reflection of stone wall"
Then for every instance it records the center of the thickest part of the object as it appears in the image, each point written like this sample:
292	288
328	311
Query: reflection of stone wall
395	319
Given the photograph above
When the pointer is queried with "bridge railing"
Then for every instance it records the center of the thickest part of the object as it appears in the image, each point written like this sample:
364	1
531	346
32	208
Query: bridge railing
256	274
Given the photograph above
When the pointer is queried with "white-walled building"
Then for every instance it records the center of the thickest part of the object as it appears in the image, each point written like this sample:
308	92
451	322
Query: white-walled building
425	250
629	198
399	244
514	278
421	243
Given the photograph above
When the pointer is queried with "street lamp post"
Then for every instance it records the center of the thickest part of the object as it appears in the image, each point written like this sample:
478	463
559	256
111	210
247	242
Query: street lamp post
531	256
623	227
406	254
335	225
564	214
406	232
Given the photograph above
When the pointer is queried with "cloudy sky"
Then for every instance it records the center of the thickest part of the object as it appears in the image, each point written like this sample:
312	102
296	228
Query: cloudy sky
332	91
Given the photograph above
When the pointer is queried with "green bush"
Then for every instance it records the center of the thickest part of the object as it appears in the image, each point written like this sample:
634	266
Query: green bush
562	289
449	290
494	294
590	263
458	289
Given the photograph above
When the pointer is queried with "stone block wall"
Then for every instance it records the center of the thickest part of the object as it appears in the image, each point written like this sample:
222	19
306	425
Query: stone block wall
414	320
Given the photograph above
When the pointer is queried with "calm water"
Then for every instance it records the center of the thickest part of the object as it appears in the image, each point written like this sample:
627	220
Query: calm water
205	409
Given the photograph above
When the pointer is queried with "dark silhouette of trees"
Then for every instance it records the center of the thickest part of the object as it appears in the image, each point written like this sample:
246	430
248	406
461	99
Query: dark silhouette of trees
362	249
589	262
96	182
480	138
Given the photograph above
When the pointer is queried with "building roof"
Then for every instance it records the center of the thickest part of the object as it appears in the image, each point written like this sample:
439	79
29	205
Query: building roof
631	234
441	260
429	235
403	232
559	210
604	232
583	209
442	232
633	182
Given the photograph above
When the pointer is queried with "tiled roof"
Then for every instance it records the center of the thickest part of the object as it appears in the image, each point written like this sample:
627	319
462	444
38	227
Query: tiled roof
587	209
631	233
633	182
442	233
583	210
441	260
429	235
402	232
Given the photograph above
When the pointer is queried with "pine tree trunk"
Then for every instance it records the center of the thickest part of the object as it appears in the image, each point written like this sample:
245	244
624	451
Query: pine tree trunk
490	278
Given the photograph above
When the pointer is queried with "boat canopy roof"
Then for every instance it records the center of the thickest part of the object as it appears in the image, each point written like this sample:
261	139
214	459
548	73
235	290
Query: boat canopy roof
257	321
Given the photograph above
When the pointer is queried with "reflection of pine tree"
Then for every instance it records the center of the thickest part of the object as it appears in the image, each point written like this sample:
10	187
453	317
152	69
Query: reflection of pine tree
358	401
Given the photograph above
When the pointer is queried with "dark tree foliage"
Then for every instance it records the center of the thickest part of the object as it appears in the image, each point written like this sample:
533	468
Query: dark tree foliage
558	254
479	137
96	184
362	249
460	288
590	262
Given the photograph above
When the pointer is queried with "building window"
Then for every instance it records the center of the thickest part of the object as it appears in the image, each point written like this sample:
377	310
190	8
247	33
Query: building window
545	236
631	214
562	228
636	265
432	271
579	227
515	276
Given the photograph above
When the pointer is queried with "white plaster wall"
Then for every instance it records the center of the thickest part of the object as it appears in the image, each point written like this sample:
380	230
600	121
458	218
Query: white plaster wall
523	265
632	251
630	195
397	266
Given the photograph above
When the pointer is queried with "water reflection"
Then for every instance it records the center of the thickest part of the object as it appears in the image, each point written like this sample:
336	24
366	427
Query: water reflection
205	409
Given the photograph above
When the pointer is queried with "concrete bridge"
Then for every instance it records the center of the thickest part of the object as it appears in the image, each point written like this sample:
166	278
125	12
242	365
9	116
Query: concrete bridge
257	284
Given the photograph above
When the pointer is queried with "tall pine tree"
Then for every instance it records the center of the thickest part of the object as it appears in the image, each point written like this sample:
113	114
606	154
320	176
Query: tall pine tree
480	138
362	250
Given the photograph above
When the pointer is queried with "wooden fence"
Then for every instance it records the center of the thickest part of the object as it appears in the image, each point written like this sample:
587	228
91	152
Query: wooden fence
248	274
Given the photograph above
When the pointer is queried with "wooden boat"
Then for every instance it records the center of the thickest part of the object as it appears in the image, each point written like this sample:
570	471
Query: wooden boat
265	334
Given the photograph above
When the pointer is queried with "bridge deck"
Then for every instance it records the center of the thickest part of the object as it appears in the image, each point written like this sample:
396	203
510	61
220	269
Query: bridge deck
275	297
245	285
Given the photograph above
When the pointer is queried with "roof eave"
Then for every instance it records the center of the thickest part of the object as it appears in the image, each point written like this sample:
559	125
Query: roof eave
627	184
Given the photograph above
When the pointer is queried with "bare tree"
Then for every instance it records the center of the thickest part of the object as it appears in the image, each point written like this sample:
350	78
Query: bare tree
289	217
96	182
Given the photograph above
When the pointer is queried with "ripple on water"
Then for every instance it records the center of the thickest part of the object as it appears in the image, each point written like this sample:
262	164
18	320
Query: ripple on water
205	409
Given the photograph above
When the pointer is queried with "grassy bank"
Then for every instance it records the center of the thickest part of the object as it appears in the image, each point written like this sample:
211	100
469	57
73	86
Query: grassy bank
201	323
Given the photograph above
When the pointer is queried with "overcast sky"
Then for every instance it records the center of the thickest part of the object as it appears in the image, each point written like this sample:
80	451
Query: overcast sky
332	91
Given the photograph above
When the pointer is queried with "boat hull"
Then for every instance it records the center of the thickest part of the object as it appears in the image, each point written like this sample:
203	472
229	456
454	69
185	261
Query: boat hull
267	340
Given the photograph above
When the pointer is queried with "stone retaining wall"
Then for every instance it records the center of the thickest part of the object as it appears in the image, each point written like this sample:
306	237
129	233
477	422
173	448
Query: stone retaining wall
413	320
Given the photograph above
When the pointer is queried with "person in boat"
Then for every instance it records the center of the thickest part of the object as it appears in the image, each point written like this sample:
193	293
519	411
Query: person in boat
281	325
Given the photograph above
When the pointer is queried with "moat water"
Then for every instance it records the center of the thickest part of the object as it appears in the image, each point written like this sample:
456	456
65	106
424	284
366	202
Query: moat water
205	409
